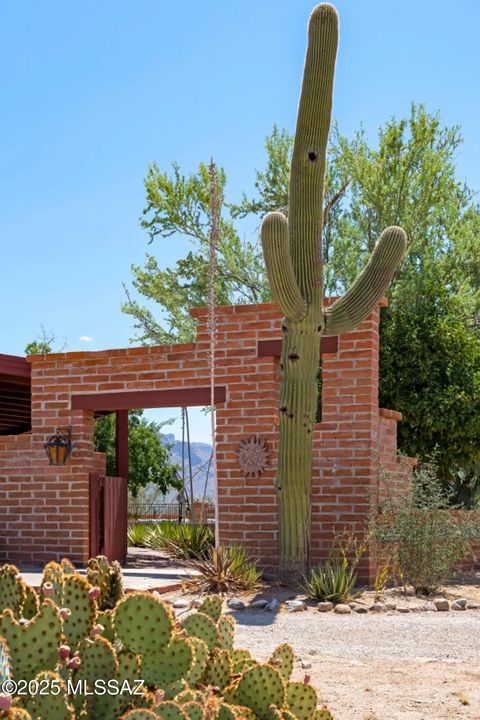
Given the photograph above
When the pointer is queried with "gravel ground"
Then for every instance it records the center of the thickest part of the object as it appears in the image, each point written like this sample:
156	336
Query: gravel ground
387	666
421	666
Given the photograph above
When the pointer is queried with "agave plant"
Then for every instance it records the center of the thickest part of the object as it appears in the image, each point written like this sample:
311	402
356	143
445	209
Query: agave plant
332	581
138	535
225	571
183	541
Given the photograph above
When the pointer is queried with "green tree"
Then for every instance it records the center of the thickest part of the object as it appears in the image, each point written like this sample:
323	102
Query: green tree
149	458
43	343
180	205
408	178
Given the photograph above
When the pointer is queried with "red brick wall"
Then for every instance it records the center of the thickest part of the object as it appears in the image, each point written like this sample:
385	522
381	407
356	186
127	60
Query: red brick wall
46	508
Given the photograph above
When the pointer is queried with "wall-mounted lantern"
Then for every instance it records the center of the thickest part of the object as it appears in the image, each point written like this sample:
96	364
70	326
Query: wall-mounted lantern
59	447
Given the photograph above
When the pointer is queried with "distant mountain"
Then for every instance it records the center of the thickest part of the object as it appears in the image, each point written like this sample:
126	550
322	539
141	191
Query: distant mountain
200	455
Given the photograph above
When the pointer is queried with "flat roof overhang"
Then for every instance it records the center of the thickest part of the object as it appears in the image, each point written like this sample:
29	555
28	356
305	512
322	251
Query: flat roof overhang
15	395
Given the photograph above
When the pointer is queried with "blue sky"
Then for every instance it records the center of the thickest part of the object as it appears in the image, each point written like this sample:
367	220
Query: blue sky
92	92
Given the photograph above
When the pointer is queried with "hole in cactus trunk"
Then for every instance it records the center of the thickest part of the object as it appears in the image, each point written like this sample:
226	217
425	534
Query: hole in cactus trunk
294	356
312	156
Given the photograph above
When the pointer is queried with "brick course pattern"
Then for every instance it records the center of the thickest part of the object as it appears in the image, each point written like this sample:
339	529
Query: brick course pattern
46	509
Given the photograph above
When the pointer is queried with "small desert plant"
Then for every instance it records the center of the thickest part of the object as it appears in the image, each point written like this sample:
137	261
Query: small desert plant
382	576
334	580
137	535
421	531
226	571
184	541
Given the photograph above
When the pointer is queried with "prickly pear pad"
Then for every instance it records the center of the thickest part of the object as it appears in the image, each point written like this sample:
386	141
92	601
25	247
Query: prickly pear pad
52	706
32	647
200	658
282	659
212	606
225	632
12	591
83	610
143	623
169	665
301	699
201	626
98	661
322	713
219	669
139	715
30	604
260	687
241	660
53	573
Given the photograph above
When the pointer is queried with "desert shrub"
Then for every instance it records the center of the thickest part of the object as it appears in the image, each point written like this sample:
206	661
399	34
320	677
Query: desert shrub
420	530
137	535
226	570
184	541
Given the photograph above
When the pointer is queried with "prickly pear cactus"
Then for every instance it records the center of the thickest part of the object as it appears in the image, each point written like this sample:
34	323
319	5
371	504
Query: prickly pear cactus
293	259
108	577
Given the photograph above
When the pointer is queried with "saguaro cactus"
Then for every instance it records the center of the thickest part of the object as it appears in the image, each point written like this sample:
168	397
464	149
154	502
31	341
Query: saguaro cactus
293	258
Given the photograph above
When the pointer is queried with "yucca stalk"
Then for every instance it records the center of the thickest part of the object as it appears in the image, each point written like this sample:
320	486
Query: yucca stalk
293	258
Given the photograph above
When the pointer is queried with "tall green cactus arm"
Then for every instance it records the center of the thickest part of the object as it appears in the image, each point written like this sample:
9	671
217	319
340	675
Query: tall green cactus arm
305	194
368	288
278	261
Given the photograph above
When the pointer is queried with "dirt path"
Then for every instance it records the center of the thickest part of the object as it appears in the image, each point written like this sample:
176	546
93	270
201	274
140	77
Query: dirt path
422	666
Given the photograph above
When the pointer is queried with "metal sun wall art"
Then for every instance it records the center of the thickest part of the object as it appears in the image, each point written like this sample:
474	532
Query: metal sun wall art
253	456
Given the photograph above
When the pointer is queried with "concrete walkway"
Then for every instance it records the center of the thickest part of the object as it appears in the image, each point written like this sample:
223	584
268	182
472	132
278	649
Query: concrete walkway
144	570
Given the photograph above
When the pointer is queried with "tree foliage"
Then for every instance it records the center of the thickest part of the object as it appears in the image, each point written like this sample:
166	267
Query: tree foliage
430	332
149	459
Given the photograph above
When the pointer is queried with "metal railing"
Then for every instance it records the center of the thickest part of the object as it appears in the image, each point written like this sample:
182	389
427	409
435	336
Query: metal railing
159	512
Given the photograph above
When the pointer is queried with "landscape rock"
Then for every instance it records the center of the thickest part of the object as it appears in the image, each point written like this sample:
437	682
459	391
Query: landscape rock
342	609
295	605
259	603
403	609
430	607
236	604
442	604
459	604
360	609
378	607
391	605
306	665
473	605
325	606
273	604
181	603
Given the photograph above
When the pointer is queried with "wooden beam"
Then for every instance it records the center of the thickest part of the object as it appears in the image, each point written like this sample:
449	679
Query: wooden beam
139	399
273	348
121	443
14	365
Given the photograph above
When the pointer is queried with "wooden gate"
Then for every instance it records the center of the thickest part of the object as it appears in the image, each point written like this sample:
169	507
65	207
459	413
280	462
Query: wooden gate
108	517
